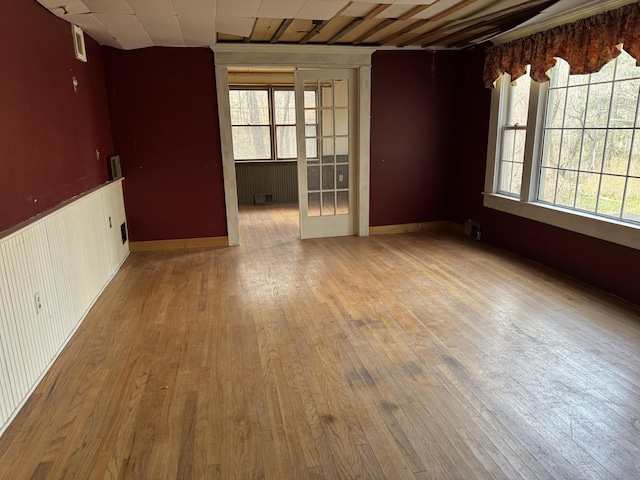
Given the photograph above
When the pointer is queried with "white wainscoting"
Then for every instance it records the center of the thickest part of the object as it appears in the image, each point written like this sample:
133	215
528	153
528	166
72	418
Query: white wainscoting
66	259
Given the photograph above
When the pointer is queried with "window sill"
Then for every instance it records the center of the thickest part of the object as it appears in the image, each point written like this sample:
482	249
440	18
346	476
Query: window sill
579	222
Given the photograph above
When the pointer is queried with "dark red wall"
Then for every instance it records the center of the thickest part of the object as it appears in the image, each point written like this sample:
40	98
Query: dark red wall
48	134
605	265
408	163
165	129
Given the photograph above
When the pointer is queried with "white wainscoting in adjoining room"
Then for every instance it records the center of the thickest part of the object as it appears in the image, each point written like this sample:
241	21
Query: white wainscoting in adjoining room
51	273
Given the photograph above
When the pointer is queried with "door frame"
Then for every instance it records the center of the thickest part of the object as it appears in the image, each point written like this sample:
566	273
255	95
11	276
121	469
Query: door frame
317	57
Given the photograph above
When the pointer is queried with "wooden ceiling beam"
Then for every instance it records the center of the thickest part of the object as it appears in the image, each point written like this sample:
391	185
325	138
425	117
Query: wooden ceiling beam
378	28
415	10
403	31
315	30
377	11
281	29
345	30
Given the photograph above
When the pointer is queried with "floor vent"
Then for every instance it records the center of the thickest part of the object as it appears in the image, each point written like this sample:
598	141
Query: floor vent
263	198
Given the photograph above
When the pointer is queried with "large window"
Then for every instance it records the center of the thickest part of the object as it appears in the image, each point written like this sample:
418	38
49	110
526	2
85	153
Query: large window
263	124
572	145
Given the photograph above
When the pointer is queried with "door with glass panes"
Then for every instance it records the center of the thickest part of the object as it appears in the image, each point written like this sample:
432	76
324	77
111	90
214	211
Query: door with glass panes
326	113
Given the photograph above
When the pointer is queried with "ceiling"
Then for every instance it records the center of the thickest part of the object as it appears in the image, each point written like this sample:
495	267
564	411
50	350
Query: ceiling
131	24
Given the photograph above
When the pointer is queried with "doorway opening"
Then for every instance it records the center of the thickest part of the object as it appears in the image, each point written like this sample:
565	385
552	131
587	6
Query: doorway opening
331	87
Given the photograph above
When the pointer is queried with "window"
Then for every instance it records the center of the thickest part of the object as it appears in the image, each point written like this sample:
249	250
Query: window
568	152
263	123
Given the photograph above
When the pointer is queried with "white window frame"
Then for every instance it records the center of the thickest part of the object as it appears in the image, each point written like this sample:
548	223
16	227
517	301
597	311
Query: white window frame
527	206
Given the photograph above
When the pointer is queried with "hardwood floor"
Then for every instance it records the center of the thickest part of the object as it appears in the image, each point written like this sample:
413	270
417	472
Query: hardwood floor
415	356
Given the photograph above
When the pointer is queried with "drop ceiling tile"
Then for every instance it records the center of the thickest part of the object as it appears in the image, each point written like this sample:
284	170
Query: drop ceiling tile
235	25
111	7
441	6
320	9
126	29
279	8
163	29
358	9
395	10
197	31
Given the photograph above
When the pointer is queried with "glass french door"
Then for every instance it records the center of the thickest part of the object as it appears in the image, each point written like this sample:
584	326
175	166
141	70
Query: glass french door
326	117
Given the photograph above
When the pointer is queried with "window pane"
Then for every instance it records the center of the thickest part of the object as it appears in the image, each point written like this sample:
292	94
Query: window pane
312	148
624	104
343	203
610	198
327	122
313	206
505	177
251	143
576	107
342	121
632	200
313	178
616	158
249	107
328	204
598	108
571	144
547	190
566	190
587	194
559	74
286	142
592	150
310	97
341	93
285	107
328	177
326	93
310	117
342	149
551	150
342	176
327	150
634	168
519	100
555	107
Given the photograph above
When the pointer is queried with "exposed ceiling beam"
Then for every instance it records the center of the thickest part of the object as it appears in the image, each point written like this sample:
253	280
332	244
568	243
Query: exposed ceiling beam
453	9
415	10
345	30
281	29
482	26
403	31
316	28
381	26
253	29
377	11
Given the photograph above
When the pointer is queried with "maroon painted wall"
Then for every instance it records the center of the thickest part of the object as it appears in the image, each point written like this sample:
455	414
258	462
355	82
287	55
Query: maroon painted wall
605	265
48	134
408	161
165	129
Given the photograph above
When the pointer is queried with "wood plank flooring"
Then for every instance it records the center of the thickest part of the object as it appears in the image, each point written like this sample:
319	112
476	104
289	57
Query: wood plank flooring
414	356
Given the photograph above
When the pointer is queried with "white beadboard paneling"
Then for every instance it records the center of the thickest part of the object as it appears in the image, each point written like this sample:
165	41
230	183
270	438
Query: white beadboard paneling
68	257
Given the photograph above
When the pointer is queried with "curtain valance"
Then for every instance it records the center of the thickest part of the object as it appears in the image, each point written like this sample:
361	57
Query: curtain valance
587	45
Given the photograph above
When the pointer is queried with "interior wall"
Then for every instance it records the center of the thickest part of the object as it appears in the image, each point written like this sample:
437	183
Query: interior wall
49	134
408	162
606	265
165	129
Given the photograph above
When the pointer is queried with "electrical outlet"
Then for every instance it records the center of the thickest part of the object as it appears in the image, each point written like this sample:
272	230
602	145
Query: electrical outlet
38	300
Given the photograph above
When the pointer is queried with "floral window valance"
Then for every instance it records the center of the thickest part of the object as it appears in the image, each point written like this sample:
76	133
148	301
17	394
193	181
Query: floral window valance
587	45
